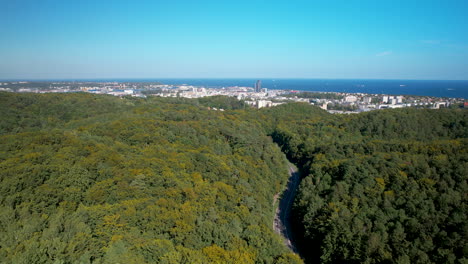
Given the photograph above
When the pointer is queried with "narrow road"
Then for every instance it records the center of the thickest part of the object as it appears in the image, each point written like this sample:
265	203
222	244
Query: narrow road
281	222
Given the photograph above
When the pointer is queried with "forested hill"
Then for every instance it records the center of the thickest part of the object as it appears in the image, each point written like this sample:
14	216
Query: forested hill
99	179
380	187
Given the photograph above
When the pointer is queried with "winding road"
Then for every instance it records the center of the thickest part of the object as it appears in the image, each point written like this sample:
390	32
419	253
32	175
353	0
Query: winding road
281	222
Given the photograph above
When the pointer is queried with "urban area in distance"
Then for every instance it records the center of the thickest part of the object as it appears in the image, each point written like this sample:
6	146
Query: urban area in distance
255	96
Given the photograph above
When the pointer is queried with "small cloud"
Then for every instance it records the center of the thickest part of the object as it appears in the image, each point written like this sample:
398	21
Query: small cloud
431	41
445	44
385	53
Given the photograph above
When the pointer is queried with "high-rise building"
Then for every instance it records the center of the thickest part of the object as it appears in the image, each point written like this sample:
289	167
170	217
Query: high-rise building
385	99
350	98
399	99
258	86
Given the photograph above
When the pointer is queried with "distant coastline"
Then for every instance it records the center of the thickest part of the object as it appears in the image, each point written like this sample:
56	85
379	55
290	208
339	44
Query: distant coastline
258	96
436	88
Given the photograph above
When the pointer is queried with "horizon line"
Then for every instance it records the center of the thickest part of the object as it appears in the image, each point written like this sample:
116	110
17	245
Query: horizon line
216	78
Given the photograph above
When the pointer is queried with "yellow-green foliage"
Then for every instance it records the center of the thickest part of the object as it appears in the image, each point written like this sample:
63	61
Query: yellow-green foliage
99	179
382	187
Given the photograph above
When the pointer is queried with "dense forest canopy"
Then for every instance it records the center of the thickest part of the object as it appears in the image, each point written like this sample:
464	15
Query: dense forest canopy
99	179
381	187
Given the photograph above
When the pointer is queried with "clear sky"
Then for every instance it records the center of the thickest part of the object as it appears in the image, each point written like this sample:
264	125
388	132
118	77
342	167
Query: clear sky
384	39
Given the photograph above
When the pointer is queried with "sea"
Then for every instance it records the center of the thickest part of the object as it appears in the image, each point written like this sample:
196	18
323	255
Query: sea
435	88
442	88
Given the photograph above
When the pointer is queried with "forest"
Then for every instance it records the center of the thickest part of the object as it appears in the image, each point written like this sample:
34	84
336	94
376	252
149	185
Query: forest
100	179
380	187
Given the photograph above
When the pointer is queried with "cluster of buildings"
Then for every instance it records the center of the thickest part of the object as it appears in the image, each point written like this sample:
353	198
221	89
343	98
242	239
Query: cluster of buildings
255	96
359	102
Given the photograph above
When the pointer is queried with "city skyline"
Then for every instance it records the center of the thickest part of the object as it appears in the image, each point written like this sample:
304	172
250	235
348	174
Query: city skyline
208	39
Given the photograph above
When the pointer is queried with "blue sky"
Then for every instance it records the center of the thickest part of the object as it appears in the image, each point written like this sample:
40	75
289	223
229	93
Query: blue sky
382	39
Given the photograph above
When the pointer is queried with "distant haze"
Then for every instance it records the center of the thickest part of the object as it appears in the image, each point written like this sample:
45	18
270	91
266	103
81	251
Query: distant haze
452	89
388	39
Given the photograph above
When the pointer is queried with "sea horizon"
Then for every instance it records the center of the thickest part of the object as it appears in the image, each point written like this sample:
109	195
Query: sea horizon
435	88
211	78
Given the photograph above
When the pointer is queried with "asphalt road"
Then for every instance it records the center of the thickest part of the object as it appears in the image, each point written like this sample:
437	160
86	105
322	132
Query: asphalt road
281	222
